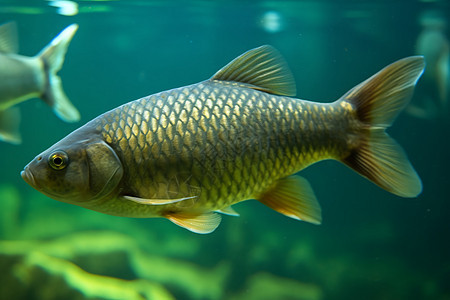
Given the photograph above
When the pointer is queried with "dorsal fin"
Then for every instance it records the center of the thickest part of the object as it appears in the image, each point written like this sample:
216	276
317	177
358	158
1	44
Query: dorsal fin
262	68
8	38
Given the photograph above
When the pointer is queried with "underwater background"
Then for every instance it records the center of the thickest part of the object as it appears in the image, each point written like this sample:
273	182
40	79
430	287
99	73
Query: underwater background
371	245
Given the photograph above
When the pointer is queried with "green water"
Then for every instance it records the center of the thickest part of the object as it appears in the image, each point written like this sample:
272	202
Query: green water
371	245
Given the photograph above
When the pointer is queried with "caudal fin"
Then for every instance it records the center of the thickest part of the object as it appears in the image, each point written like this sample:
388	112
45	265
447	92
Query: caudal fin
377	102
53	57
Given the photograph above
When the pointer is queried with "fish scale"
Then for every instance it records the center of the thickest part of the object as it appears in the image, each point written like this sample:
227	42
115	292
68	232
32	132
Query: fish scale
269	147
190	152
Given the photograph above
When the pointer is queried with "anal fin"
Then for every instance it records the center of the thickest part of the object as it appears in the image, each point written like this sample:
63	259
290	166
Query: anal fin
293	197
9	125
199	223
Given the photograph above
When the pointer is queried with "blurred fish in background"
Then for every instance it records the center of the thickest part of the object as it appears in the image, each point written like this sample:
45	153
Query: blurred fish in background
65	8
23	77
432	42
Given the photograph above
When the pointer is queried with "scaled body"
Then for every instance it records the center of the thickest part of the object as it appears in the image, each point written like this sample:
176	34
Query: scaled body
186	153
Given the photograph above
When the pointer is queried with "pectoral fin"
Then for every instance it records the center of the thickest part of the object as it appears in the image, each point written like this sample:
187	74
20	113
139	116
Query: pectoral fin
293	197
198	223
156	201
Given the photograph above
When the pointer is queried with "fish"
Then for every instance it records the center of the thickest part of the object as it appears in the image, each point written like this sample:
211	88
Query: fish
188	154
23	78
433	94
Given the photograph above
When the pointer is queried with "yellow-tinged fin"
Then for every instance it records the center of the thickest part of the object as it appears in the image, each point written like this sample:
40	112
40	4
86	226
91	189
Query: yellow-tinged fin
262	68
228	211
293	197
8	38
377	101
156	201
198	223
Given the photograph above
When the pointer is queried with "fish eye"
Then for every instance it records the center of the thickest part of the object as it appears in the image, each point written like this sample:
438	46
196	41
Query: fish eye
58	160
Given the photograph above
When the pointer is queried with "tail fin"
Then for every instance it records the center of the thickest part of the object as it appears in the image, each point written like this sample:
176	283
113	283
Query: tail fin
9	125
377	102
53	57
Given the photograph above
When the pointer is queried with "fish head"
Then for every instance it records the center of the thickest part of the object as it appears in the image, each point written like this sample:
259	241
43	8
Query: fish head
76	172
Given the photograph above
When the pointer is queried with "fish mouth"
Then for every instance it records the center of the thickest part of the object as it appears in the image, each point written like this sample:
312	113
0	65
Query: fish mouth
28	177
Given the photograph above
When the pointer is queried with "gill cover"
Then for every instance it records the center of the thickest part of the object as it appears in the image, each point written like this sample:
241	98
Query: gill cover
105	169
